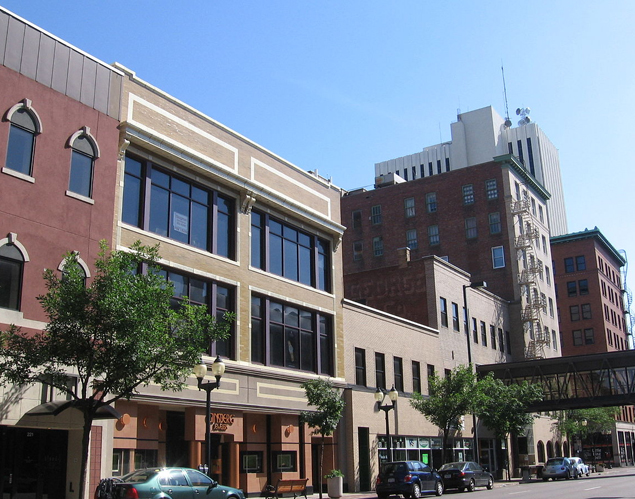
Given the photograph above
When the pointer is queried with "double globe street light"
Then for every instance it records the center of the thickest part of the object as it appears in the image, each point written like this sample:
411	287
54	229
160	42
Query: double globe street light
218	369
393	395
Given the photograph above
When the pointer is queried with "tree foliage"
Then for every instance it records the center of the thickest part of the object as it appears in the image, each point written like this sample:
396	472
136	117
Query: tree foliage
503	408
450	398
328	401
114	335
585	422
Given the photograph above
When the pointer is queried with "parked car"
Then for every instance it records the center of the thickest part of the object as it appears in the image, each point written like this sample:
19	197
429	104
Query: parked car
558	467
580	466
170	483
408	478
465	475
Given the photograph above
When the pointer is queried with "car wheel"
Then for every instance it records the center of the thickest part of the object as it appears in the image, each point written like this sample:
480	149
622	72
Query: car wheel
471	486
568	477
416	491
438	489
490	483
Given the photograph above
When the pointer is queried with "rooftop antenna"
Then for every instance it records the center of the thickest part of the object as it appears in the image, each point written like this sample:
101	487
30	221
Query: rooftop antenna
508	122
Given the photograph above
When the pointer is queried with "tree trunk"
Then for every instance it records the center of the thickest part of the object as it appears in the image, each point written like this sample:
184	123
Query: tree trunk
88	423
444	446
321	466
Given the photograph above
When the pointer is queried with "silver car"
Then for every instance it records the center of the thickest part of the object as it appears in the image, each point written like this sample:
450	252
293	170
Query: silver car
580	466
559	467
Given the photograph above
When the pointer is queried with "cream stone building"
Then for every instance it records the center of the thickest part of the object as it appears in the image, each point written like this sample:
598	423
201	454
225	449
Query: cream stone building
241	230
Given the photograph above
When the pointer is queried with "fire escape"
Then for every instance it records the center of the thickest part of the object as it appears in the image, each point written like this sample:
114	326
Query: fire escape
533	301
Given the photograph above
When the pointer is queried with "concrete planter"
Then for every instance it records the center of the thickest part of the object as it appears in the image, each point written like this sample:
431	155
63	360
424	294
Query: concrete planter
335	486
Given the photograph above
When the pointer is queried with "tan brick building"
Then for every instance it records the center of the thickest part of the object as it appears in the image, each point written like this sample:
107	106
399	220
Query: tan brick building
239	229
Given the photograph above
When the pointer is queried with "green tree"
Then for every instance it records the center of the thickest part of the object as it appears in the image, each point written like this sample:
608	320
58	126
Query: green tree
115	335
328	401
449	399
503	408
586	422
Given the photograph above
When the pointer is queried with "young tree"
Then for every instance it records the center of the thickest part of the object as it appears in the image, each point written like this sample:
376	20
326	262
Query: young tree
503	408
321	394
586	422
116	334
450	398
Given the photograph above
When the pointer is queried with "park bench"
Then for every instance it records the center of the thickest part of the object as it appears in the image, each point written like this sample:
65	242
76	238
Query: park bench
295	486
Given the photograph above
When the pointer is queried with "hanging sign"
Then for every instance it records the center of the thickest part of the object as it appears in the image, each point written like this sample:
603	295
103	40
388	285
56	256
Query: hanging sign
220	421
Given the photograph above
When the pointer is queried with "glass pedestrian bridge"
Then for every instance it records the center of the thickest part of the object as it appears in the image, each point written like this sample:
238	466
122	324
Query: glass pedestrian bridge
576	382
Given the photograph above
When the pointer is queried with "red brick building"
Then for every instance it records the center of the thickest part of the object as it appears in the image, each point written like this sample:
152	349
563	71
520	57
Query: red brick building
590	305
489	220
58	157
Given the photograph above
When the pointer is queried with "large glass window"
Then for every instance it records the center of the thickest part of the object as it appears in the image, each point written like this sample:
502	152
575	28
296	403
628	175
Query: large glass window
491	189
11	269
433	235
360	366
178	208
468	194
398	371
289	336
216	298
409	207
470	228
375	214
380	370
416	376
431	201
443	309
282	249
498	257
83	154
378	246
495	223
21	141
411	238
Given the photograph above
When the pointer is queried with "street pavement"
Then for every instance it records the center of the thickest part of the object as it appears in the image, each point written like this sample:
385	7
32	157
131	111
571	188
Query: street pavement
499	483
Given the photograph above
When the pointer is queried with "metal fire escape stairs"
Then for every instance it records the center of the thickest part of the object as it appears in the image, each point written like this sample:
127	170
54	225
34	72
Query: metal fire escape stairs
533	302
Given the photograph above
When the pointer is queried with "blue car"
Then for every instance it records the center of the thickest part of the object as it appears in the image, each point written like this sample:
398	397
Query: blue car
166	483
410	479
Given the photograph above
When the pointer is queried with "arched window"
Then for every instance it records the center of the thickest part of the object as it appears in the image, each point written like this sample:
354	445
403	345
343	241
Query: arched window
83	268
12	258
83	155
541	451
549	449
25	125
558	449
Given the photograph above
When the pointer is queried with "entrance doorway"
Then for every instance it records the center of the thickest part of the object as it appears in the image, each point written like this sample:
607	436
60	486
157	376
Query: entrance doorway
32	462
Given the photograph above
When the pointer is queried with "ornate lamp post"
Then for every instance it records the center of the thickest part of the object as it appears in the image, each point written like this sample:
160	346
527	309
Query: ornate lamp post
218	369
473	285
393	395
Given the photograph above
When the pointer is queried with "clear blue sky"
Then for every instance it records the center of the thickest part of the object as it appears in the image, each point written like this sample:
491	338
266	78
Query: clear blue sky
341	85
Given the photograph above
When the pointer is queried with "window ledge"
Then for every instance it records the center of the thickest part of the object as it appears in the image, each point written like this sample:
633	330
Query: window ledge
17	174
72	194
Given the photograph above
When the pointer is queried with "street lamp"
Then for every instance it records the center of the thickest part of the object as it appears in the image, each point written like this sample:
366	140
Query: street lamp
473	285
393	395
218	369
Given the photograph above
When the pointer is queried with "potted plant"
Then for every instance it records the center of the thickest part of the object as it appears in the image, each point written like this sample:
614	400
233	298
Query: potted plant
335	483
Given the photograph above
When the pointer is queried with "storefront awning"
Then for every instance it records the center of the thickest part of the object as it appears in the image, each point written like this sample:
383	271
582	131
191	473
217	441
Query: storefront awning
58	406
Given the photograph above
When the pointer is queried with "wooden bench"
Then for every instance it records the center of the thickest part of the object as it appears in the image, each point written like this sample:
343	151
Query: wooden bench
296	486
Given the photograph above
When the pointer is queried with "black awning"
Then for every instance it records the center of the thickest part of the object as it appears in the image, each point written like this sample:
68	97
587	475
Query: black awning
56	407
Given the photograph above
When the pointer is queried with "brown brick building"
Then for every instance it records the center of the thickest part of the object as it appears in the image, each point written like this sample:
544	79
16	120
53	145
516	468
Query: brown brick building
590	305
489	220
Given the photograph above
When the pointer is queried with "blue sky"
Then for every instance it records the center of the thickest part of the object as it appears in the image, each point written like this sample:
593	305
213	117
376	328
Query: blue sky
341	85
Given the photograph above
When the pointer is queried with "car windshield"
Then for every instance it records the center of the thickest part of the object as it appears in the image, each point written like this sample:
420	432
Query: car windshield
139	476
394	468
452	466
555	461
